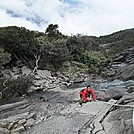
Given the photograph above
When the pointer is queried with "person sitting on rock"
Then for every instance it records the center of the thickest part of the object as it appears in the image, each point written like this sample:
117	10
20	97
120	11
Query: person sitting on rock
84	93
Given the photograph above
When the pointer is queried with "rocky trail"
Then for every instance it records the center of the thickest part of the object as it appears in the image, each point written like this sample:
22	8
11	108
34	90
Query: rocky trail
53	112
56	111
75	120
50	108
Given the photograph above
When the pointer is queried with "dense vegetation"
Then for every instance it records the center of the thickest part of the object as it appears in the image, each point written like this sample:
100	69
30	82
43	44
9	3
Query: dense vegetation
14	87
20	46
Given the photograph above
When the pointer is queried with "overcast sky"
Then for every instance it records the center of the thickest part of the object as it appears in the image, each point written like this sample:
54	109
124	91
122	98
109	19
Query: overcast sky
88	17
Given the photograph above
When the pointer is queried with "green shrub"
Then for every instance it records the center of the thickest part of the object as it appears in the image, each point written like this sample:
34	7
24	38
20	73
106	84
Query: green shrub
15	87
4	58
54	53
19	42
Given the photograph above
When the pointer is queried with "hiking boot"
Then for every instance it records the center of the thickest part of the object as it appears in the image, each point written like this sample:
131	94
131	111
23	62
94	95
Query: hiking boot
80	105
80	102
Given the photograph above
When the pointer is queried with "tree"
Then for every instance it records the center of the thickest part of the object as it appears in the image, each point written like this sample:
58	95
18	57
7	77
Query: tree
4	58
53	32
19	42
54	52
75	47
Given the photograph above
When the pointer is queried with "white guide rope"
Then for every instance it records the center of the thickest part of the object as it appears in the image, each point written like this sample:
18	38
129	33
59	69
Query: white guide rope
131	106
133	119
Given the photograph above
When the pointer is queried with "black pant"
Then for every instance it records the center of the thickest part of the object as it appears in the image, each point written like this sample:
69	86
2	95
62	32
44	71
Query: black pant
81	99
87	96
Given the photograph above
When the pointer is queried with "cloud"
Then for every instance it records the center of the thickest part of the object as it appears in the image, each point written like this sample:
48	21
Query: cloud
8	20
91	17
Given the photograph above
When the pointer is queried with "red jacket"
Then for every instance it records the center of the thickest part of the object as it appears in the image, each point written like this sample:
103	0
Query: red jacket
85	94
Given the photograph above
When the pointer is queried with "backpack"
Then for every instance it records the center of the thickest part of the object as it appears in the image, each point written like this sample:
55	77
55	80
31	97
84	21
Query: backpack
82	90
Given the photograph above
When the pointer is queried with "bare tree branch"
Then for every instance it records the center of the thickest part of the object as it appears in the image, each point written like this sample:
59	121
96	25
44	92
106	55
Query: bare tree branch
37	58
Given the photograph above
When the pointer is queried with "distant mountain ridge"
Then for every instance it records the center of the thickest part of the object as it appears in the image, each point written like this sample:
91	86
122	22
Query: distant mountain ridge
118	41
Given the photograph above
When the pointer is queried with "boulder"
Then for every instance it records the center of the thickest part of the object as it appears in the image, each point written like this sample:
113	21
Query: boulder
131	89
107	94
18	129
29	123
127	98
4	131
25	70
44	74
126	74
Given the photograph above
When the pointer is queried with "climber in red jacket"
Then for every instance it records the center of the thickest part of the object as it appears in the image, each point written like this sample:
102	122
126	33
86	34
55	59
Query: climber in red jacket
86	93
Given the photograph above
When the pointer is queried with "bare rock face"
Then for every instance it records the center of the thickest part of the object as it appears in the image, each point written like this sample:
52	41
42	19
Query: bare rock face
107	94
15	117
123	66
127	73
119	121
57	111
114	90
